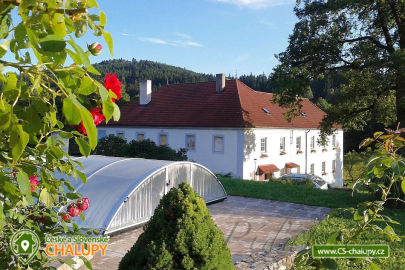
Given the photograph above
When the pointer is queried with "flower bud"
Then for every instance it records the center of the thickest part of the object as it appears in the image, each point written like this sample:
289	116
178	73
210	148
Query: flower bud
95	48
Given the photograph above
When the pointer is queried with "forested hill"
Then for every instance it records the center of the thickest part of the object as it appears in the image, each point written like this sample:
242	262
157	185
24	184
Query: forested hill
132	72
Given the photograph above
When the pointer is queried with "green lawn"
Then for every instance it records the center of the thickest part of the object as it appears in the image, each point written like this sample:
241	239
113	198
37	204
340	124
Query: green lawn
290	193
336	221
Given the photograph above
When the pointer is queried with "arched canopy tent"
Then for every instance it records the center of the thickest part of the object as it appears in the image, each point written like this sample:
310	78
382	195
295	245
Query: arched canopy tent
124	192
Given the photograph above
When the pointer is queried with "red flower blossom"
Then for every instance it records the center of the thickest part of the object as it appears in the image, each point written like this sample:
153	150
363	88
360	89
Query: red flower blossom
98	117
112	83
83	204
34	182
66	217
73	210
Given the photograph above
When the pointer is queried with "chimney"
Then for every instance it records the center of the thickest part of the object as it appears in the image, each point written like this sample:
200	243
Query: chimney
220	82
145	92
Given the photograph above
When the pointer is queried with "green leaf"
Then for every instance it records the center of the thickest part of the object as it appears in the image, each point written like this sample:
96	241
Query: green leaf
4	47
93	70
24	185
87	86
5	115
82	176
81	216
18	141
83	146
374	266
403	186
102	91
84	58
2	217
357	216
366	142
108	39
92	3
91	129
52	43
47	198
117	112
86	262
103	18
58	25
71	112
108	109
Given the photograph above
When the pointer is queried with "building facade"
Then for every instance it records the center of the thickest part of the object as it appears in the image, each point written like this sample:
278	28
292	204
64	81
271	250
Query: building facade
230	128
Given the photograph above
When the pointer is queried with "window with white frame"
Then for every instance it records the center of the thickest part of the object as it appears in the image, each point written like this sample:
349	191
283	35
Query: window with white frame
323	167
333	166
163	139
334	140
312	168
312	142
140	137
218	144
120	134
102	133
282	143
298	143
263	145
190	142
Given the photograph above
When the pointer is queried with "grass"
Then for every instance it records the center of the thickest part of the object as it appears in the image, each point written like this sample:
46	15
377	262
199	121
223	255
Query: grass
337	220
292	193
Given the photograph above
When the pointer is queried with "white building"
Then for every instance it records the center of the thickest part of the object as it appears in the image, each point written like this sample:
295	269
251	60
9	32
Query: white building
231	128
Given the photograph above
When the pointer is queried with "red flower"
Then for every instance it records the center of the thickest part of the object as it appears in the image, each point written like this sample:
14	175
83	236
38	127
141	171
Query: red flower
66	218
112	83
98	117
34	182
83	204
73	210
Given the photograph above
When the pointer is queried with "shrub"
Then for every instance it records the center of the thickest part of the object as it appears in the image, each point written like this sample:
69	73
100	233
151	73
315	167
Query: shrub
115	146
180	235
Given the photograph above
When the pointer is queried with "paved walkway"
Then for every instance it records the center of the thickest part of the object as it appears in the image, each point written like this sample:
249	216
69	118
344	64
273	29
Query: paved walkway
249	225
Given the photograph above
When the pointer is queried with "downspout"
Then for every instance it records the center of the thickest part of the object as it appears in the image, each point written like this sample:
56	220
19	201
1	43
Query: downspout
306	151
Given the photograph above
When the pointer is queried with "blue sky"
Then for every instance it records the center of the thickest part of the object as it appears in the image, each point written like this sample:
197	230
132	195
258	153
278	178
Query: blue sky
210	36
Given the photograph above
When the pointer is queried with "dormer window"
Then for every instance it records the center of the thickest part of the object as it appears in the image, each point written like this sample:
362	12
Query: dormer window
266	111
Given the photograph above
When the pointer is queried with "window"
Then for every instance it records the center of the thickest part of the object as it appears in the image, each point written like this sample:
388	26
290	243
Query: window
120	134
190	142
333	166
312	142
312	168
102	134
140	137
163	139
324	167
298	143
263	145
282	144
218	144
334	140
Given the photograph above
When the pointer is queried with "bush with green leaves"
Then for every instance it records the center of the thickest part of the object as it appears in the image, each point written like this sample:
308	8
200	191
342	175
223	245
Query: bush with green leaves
112	145
46	88
180	235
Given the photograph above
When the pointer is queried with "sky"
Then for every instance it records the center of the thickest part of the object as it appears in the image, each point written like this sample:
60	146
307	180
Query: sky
209	36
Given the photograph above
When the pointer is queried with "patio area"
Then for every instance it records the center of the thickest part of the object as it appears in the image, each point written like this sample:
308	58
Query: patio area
249	226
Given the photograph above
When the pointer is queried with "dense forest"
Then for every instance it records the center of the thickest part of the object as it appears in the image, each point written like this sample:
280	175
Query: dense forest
323	91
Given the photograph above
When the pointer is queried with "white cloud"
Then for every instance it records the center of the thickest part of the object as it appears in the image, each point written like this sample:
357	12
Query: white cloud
153	40
176	43
182	35
124	34
257	4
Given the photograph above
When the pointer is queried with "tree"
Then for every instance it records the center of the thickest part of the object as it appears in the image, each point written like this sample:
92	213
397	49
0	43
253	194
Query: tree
362	40
180	235
41	96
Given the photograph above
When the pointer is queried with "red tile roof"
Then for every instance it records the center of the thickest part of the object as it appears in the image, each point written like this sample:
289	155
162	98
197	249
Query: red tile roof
291	165
268	168
199	105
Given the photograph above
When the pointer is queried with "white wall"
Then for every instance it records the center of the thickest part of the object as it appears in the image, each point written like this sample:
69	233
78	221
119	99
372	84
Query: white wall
223	162
252	150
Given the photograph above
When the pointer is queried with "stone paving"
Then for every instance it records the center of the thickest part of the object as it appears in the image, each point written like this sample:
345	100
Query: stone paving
249	225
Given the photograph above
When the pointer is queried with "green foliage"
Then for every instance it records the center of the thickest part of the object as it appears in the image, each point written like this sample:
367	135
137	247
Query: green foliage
180	235
132	72
385	172
275	190
354	166
115	146
40	96
358	42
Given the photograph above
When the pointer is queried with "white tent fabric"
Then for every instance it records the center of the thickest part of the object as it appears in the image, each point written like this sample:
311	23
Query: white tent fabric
124	192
